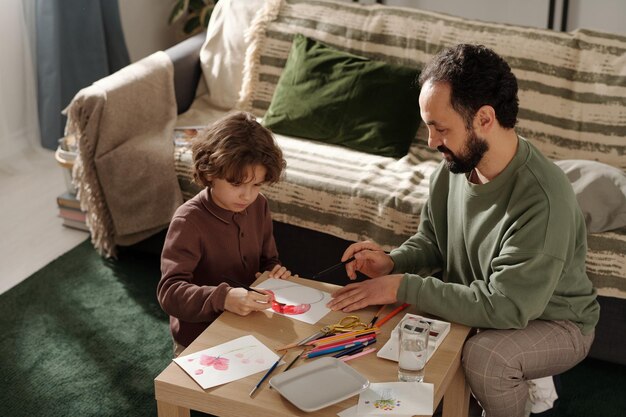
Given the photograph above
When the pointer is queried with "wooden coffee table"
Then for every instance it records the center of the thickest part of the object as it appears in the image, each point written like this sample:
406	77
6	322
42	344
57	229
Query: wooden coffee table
177	393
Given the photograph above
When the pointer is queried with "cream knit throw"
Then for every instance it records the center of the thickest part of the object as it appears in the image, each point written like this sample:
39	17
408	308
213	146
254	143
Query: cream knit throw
124	172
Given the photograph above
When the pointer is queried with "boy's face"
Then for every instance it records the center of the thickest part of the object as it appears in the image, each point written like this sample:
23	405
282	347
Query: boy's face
237	197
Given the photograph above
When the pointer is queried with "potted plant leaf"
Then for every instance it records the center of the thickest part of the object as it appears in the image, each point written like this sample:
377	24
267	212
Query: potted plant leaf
194	14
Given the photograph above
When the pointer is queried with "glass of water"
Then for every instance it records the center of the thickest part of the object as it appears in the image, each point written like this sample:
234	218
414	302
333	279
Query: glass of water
413	337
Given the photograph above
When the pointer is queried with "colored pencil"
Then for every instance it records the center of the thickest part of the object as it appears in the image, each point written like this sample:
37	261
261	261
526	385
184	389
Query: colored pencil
269	371
392	314
293	361
354	349
375	318
357	355
343	336
344	342
339	348
332	268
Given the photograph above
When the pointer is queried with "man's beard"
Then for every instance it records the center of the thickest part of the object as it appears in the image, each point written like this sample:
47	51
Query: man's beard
475	149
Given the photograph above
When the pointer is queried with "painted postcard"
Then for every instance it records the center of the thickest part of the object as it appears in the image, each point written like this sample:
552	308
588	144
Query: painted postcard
396	399
296	300
227	362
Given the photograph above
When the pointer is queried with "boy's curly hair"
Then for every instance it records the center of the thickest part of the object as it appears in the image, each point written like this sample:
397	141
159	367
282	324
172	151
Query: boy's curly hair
229	146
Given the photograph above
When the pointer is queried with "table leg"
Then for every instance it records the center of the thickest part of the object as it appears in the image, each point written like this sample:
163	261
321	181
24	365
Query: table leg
170	410
456	398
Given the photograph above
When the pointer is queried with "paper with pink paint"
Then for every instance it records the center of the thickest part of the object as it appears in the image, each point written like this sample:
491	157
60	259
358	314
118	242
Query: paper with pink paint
227	362
297	301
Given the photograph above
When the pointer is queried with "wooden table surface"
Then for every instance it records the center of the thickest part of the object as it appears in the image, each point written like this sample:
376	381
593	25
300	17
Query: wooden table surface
176	392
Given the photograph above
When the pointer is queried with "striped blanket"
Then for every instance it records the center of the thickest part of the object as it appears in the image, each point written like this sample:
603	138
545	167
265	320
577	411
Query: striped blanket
572	91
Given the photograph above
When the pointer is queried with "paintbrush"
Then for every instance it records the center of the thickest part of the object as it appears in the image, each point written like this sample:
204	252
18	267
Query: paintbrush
333	268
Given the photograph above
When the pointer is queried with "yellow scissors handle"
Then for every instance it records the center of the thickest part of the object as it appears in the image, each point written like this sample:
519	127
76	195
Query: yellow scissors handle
346	324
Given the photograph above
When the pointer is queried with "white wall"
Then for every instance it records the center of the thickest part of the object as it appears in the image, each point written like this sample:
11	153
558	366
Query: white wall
603	15
526	12
146	29
145	26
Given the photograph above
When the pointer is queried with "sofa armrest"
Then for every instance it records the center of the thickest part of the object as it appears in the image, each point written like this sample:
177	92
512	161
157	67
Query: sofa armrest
187	71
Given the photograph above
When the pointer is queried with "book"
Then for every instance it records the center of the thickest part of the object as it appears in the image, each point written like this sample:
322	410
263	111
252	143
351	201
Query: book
72	214
439	329
68	200
184	135
74	224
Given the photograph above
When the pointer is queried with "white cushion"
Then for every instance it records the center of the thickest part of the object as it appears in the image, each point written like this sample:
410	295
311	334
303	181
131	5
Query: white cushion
222	54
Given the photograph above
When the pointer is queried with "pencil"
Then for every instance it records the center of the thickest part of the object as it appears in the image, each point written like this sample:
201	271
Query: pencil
393	313
356	355
343	336
332	268
354	349
269	371
294	360
380	310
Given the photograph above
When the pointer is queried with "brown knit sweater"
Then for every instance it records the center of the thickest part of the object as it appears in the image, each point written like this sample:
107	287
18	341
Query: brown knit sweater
205	244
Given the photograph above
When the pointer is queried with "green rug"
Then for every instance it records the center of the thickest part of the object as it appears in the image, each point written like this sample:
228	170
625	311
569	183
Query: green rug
83	337
86	337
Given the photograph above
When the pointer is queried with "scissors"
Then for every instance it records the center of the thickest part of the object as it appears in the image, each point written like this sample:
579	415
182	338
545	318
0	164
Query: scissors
346	324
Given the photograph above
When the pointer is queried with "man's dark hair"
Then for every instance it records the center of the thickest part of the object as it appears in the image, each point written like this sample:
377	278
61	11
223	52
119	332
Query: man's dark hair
477	77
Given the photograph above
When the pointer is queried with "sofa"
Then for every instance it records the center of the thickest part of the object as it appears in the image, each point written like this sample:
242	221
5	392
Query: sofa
572	91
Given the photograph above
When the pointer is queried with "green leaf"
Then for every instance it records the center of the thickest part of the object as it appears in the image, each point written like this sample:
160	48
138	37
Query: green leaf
191	25
205	15
179	10
196	5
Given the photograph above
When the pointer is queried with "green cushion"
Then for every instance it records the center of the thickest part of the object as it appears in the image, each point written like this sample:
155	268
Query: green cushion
336	97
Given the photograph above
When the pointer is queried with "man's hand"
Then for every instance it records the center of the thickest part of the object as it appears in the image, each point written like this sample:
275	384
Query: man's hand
243	302
381	290
369	258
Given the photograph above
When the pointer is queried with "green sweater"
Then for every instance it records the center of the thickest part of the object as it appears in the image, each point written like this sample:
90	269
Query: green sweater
508	251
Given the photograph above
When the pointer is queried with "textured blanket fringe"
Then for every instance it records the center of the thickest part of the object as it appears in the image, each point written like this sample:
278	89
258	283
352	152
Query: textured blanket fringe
255	36
89	194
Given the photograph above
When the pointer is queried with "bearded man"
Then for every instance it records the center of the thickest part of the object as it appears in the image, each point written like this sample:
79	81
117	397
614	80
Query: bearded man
502	232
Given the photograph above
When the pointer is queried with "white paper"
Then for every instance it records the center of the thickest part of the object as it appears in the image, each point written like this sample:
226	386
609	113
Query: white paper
396	399
227	362
295	294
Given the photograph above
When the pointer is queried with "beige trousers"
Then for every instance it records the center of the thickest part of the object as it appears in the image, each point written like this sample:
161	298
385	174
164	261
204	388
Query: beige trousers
498	363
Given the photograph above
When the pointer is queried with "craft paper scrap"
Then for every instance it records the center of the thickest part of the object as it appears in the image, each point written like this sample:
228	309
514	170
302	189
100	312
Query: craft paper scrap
396	399
227	362
296	300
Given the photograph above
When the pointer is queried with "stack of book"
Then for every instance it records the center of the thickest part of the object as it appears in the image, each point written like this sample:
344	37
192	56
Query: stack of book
70	212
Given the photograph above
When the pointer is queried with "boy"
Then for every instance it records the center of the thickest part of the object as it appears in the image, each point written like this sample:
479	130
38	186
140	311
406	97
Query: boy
224	232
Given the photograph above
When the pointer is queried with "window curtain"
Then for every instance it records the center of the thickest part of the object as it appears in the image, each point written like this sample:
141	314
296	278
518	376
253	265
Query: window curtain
19	130
78	42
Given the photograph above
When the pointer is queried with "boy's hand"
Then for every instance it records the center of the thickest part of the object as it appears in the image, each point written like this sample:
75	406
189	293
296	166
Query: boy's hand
280	272
243	302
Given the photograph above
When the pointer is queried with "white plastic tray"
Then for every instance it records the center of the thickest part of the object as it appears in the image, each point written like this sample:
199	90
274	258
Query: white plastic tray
318	384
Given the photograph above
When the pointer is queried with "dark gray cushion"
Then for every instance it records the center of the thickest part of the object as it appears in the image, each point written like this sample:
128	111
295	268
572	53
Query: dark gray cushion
601	193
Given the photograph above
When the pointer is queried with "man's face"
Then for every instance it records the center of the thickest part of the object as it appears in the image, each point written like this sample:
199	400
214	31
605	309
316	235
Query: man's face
461	149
